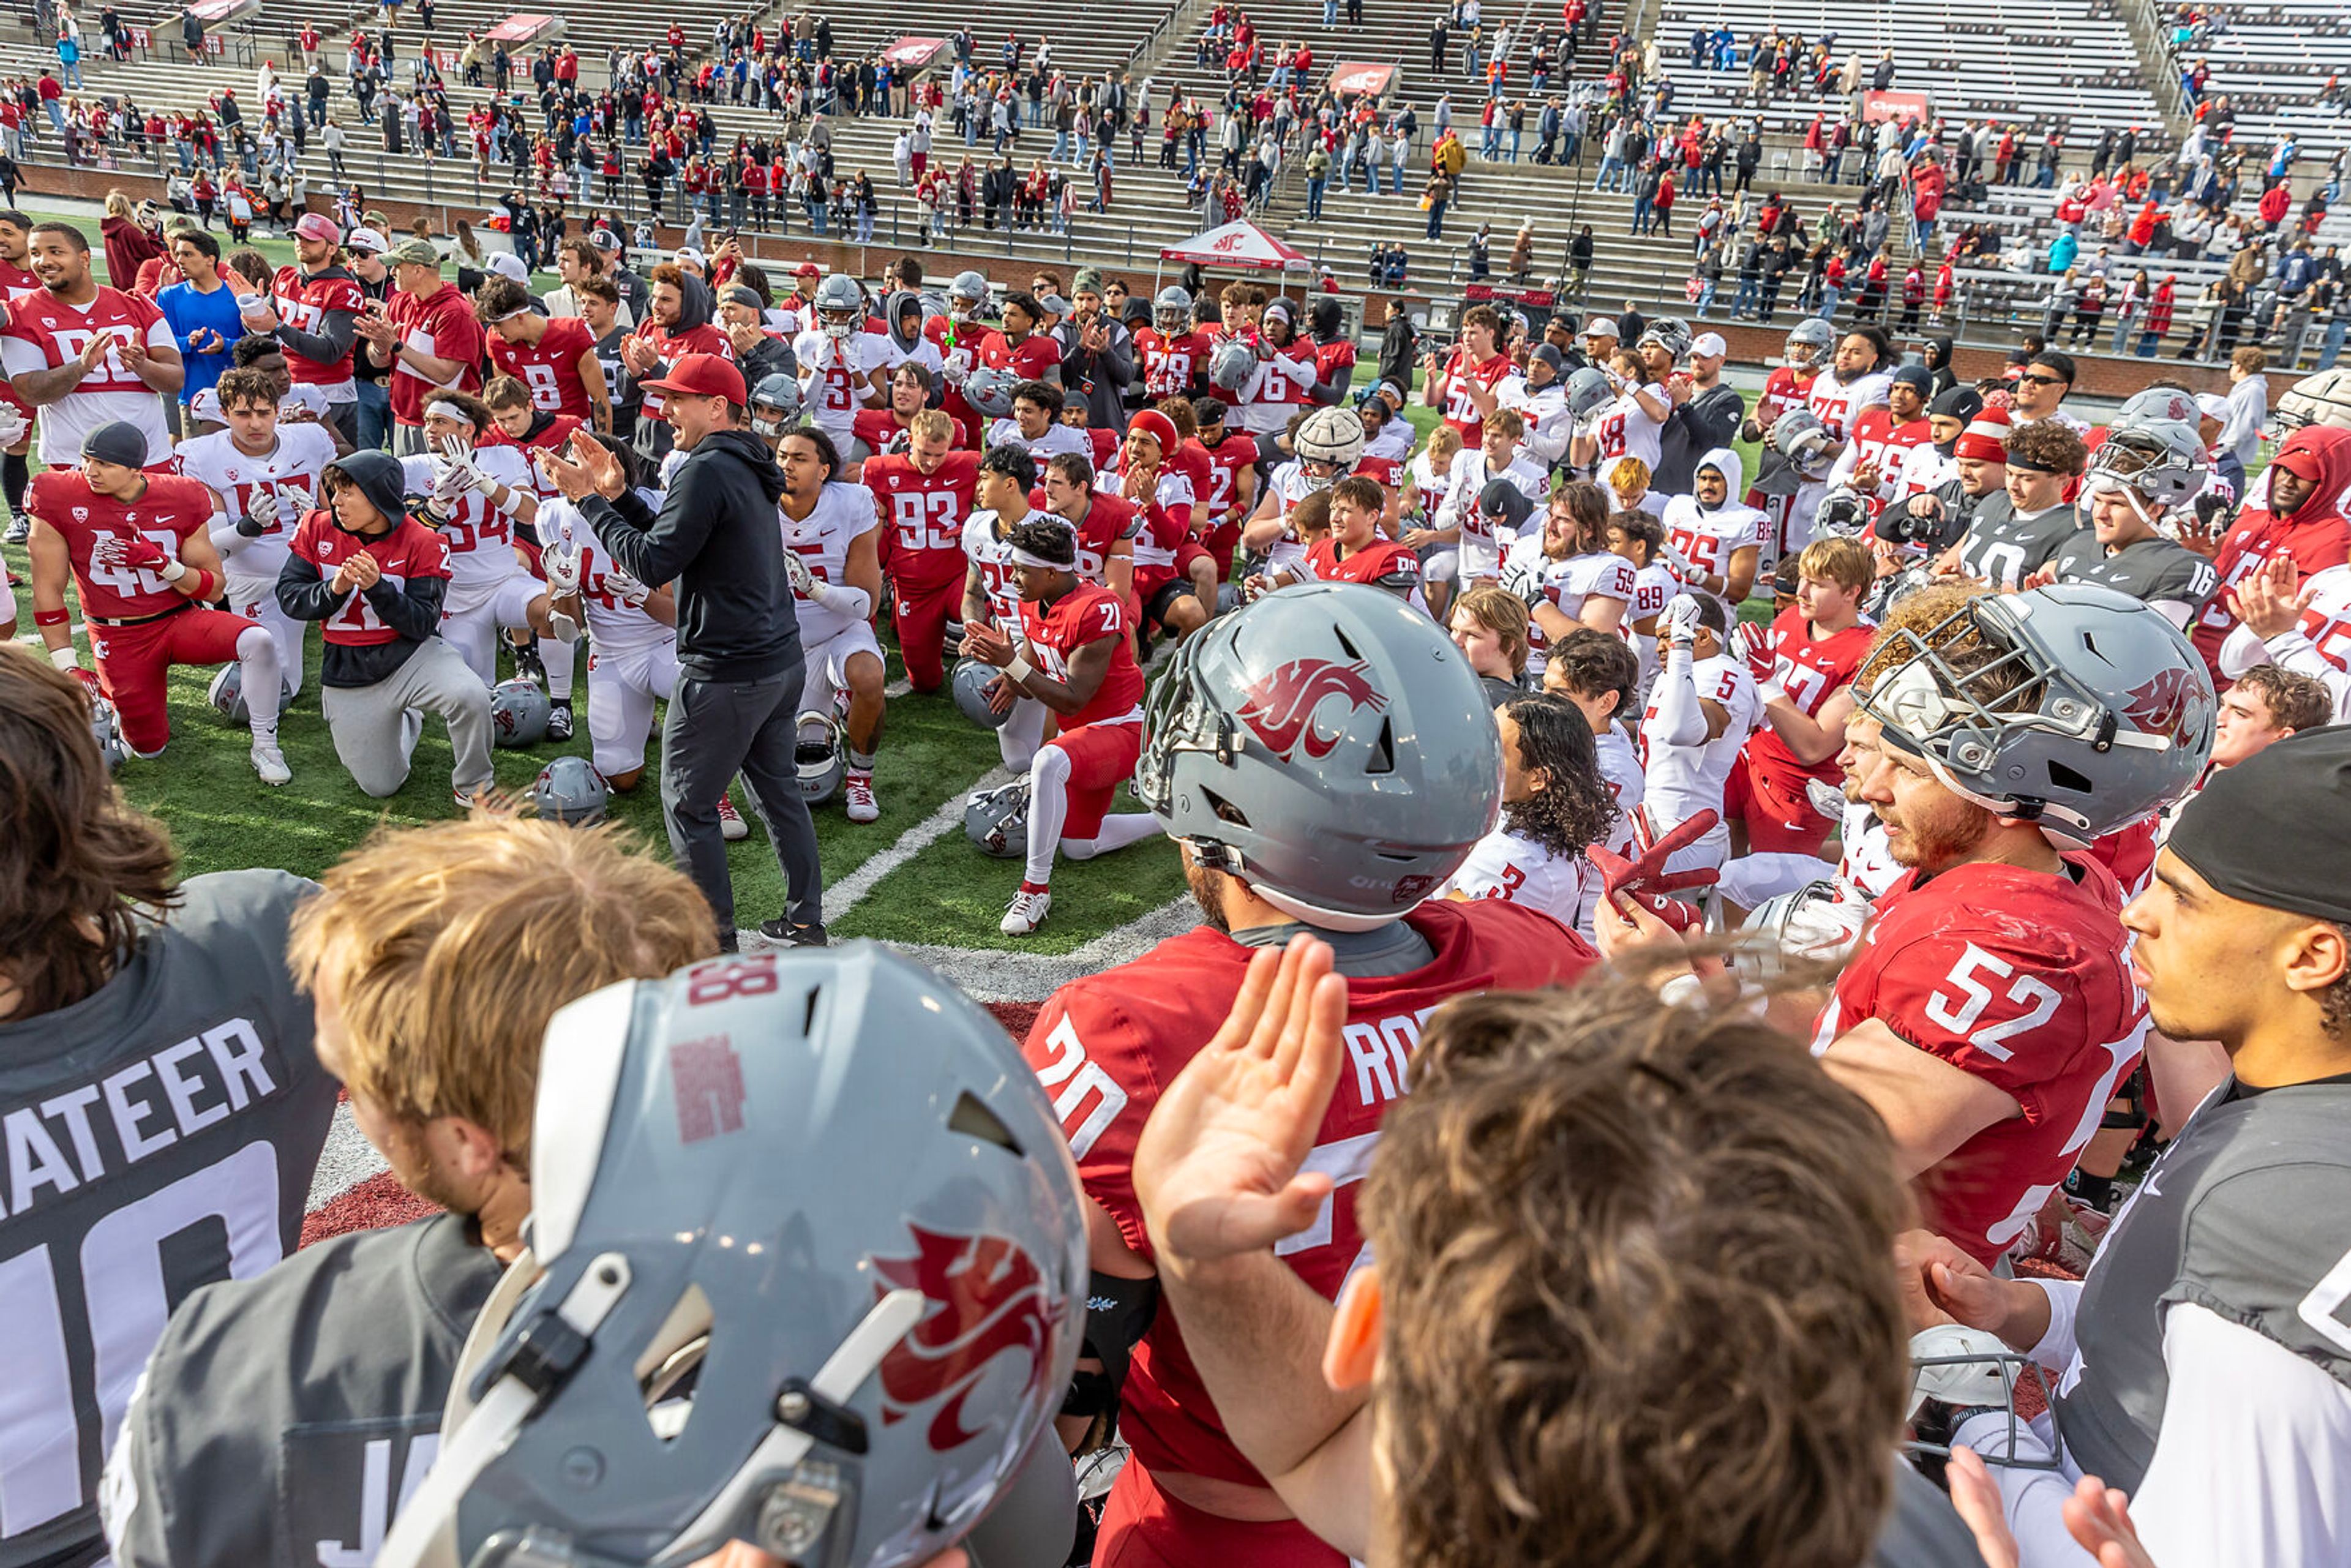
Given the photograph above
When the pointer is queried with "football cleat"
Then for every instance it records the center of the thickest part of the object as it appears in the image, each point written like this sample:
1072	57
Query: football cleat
858	792
559	721
270	763
1026	913
731	825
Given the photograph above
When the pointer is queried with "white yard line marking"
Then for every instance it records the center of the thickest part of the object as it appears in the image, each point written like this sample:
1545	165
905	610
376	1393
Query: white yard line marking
898	688
347	1160
842	896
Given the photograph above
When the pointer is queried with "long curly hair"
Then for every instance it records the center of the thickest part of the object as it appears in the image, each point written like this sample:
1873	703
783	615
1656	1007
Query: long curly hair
1573	809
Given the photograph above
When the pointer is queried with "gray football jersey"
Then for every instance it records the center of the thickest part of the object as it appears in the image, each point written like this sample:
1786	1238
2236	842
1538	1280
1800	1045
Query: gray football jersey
2149	570
285	1418
2248	1214
2003	548
161	1135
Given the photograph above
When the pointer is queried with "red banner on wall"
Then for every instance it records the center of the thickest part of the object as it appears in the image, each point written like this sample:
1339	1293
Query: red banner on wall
1349	77
1877	106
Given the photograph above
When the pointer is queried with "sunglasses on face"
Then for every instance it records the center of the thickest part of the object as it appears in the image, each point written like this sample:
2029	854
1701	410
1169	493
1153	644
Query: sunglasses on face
2046	381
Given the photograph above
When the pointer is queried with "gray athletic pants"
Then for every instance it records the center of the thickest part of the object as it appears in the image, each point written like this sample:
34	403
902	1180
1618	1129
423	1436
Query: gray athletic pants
373	740
715	730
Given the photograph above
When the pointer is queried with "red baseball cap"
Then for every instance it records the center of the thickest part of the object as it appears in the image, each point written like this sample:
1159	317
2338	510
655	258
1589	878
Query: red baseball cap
703	375
1149	422
319	227
2300	461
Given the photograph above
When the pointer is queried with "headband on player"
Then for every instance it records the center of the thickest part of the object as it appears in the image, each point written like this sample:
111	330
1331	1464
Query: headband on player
2275	829
1037	562
447	409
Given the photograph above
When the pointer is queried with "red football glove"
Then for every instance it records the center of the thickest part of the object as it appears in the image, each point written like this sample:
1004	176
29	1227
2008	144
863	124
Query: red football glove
116	553
1649	881
1755	643
88	679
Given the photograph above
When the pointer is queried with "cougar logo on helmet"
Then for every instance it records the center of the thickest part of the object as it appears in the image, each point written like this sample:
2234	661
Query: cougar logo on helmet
990	1298
2164	705
1281	706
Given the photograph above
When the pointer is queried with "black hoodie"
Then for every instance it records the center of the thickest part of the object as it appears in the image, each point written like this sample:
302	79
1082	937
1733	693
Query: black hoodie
718	536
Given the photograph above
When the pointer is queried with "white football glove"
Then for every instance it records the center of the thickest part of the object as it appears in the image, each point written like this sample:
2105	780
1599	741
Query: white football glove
449	484
266	510
624	588
1679	624
803	581
1673	561
13	425
560	560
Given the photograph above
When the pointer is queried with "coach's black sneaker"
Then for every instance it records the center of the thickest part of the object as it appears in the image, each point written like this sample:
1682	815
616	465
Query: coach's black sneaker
784	934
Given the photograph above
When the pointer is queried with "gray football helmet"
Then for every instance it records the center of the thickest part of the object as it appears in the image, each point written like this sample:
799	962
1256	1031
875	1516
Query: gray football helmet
967	295
2091	711
1670	333
1332	435
990	392
570	791
1843	514
1813	924
1588	391
971	681
2157	402
1799	436
996	820
821	754
2162	459
775	405
808	1270
2322	399
226	696
518	712
1329	744
840	306
1232	365
1807	341
107	730
1171	310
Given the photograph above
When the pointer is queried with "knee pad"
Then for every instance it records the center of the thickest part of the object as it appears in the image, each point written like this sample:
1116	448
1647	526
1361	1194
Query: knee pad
1050	766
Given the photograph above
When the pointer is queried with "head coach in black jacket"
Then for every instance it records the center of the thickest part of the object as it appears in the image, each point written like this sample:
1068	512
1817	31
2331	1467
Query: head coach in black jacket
739	642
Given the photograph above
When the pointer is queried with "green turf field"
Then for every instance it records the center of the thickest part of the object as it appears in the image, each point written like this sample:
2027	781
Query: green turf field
945	891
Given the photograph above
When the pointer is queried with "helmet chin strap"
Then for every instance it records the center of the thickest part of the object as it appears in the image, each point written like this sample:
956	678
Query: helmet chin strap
1328	919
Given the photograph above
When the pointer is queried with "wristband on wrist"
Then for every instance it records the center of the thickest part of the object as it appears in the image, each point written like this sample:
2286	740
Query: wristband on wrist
173	570
1018	669
1682	990
52	618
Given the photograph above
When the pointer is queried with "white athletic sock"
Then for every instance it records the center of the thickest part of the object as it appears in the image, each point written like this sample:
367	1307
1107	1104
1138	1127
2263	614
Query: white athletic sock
256	656
1118	830
1049	808
559	657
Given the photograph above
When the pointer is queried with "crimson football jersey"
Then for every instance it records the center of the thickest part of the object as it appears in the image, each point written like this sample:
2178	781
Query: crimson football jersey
1877	438
1035	354
1459	412
1226	459
1172	366
2022	978
171	509
551	367
1104	1046
1376	563
302	302
410	551
442	325
45	332
1810	669
1086	614
883	432
1109	519
924	515
2248	545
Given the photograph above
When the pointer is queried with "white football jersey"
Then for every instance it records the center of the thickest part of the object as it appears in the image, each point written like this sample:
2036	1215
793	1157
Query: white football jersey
1838	404
1680	781
1057	439
842	514
1481	551
993	557
288	473
1519	871
1620	770
1707	539
481	537
835	377
1623	429
1565	585
1290	483
1867	868
617	621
